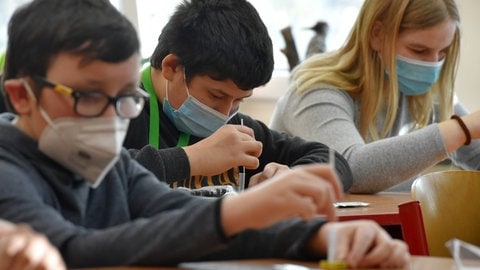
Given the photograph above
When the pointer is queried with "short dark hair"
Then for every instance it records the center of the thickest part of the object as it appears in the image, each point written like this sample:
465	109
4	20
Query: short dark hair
224	39
41	29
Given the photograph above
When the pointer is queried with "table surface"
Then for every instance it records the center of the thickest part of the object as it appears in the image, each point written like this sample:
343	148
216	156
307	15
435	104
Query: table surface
417	263
382	203
397	212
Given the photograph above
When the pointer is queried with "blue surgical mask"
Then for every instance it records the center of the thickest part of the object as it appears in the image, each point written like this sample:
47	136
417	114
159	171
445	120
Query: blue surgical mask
416	77
193	117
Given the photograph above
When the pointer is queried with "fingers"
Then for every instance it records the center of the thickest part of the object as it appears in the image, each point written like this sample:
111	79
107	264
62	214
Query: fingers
400	255
250	151
226	148
270	170
248	142
246	130
309	207
54	261
306	209
365	244
322	197
362	239
327	173
274	168
6	227
392	255
292	193
249	148
241	141
310	194
326	206
255	179
386	252
25	249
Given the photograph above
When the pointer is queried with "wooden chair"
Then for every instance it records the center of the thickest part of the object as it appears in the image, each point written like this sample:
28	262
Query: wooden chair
450	204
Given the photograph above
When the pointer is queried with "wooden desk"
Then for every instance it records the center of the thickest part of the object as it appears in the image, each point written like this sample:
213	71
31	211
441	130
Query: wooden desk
417	263
383	207
397	212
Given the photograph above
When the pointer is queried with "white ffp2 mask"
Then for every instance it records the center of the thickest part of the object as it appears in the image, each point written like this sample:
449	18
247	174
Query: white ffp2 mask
86	146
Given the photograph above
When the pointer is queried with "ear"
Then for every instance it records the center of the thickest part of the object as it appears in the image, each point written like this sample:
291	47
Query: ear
18	95
170	66
377	36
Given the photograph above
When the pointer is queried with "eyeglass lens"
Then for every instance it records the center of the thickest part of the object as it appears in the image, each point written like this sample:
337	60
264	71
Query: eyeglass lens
94	104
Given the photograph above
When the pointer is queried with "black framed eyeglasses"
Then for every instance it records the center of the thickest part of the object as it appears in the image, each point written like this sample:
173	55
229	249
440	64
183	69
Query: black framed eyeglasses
90	103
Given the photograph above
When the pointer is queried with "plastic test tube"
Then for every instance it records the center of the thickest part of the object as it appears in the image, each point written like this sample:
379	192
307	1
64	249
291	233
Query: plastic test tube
332	263
241	185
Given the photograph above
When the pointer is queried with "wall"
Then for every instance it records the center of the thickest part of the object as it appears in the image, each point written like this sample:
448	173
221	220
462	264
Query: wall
261	104
466	83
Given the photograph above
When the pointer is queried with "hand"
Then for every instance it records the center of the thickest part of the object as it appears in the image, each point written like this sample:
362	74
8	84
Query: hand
363	244
454	136
304	191
230	146
473	124
268	172
22	248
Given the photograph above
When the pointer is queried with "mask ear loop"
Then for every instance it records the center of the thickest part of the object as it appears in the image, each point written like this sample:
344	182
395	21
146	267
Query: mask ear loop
43	113
29	89
185	82
166	89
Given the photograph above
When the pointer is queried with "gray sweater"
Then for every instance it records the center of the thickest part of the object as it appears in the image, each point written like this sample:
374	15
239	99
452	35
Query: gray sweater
331	116
130	219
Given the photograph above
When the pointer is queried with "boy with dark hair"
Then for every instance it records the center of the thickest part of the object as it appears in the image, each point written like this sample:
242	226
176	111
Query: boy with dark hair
72	79
209	58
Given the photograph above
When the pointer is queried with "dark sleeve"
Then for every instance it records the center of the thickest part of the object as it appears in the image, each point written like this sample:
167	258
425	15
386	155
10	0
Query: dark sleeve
170	225
281	148
168	164
287	240
166	227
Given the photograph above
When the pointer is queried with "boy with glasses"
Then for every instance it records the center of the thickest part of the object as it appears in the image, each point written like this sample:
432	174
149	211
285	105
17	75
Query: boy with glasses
74	89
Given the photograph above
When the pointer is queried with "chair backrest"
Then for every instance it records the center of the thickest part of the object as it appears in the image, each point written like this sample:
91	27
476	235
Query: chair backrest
450	203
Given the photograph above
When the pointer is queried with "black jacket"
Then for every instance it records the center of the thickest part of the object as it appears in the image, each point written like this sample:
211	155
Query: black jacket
277	147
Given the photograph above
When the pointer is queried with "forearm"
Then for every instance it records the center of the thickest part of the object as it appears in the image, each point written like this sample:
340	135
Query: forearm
197	160
454	134
123	244
376	165
291	239
382	164
114	246
466	156
293	151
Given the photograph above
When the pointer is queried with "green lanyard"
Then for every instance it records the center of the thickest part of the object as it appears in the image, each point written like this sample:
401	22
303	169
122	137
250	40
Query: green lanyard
154	128
183	139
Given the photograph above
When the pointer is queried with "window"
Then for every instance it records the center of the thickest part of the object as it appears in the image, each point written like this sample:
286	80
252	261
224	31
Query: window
276	14
7	7
149	16
300	15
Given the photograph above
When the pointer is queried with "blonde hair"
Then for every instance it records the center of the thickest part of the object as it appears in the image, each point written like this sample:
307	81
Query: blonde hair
358	69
